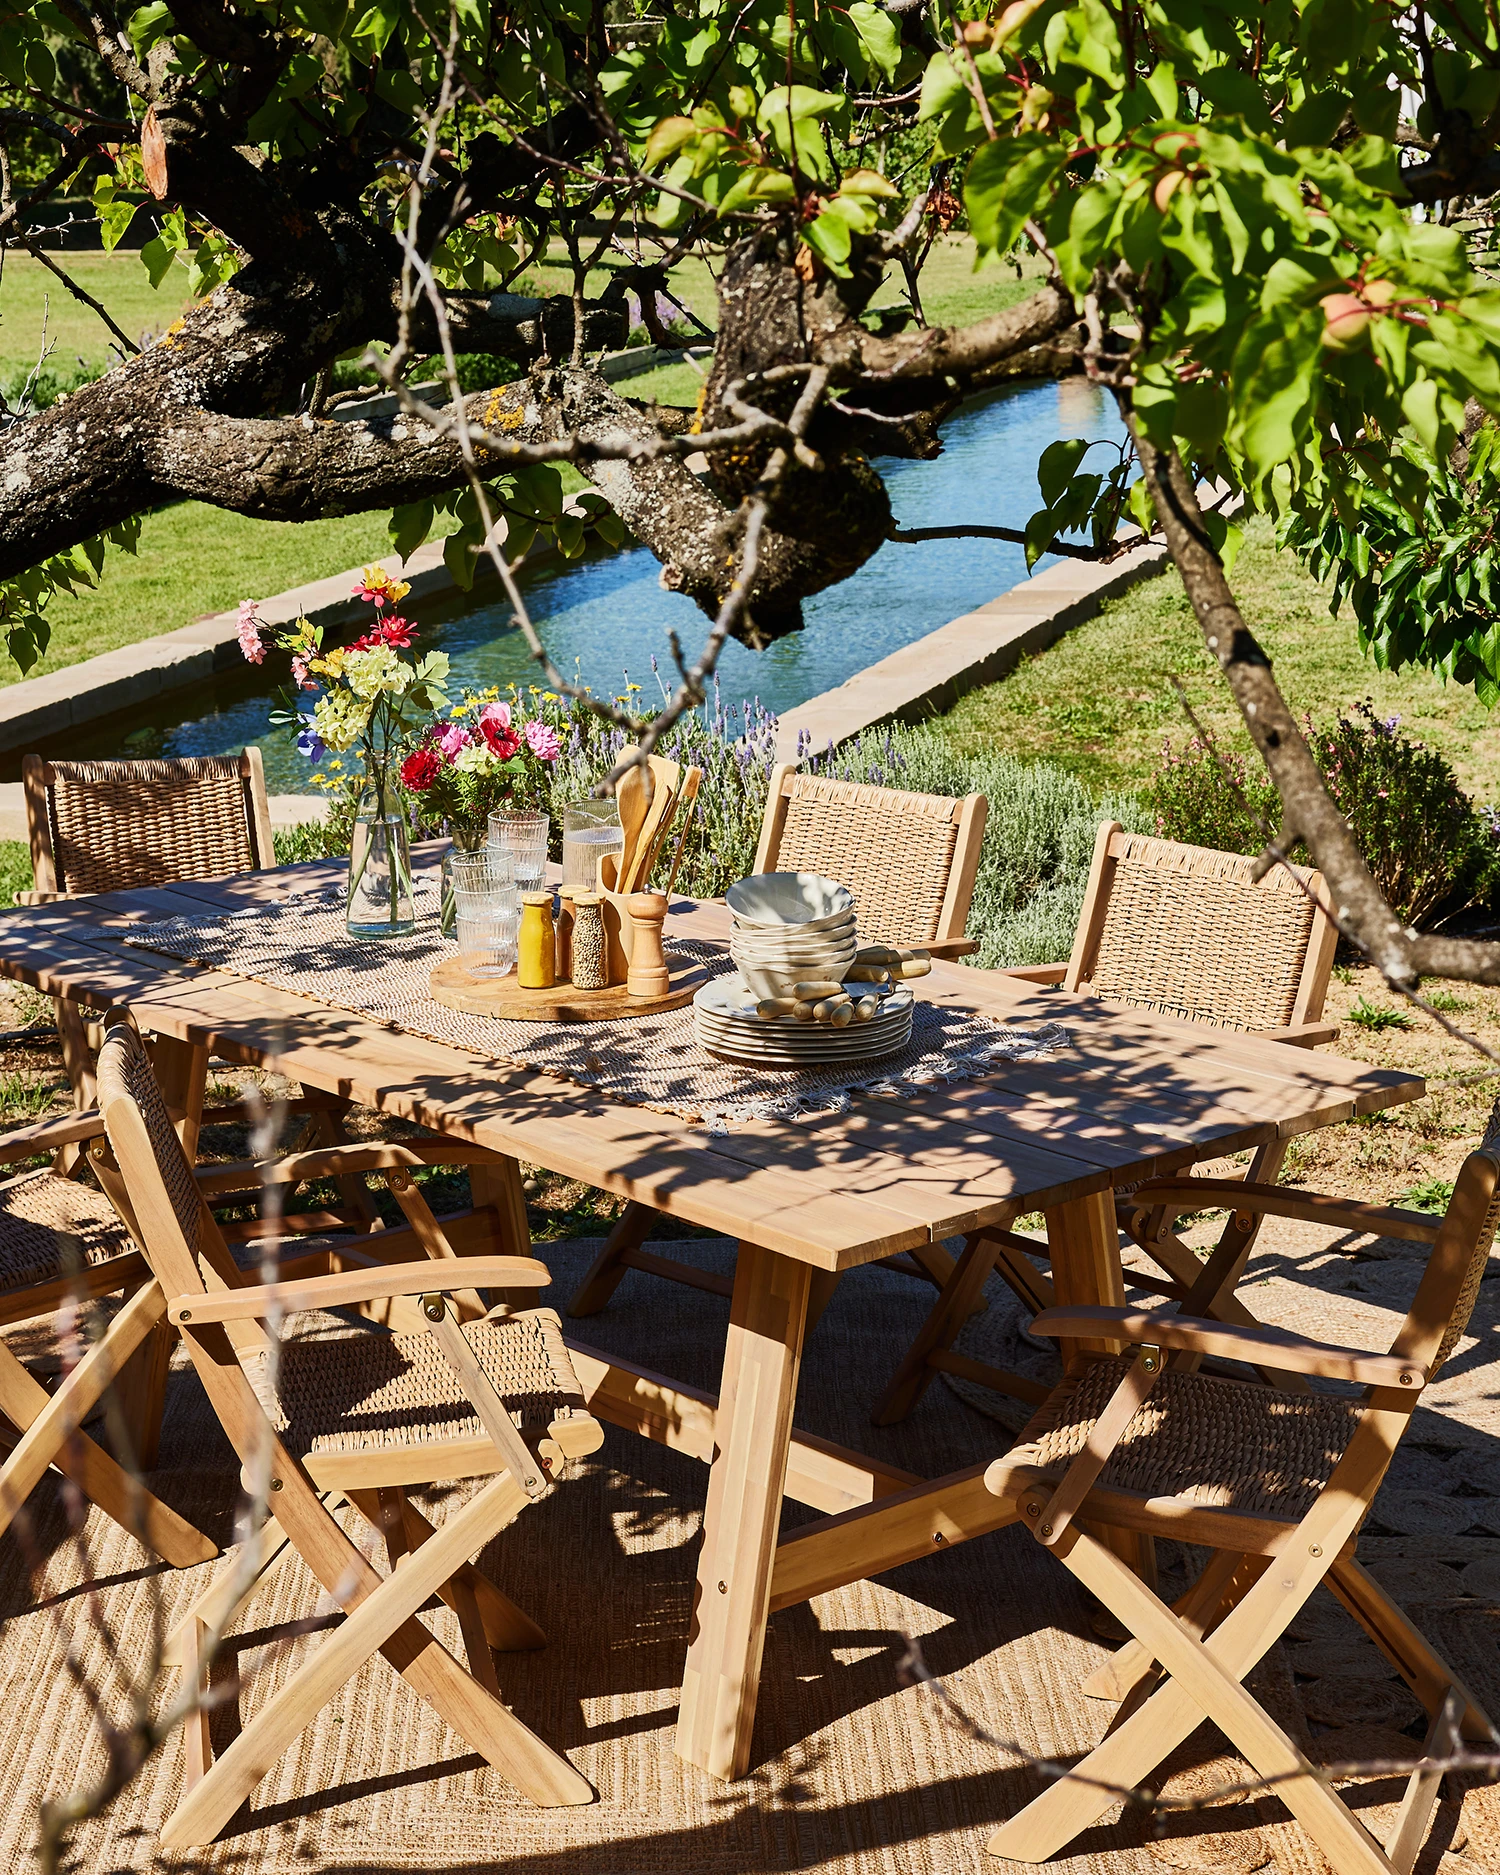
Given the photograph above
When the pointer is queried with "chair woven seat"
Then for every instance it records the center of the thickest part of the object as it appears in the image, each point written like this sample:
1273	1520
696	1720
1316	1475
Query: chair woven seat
1225	1444
51	1225
368	1390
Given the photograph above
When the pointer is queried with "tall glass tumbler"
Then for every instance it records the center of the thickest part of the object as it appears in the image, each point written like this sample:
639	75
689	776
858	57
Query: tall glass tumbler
524	837
484	894
590	830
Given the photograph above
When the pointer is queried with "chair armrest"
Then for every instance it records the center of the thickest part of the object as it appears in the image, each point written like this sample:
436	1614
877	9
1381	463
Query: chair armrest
331	1161
48	1135
439	1275
1261	1346
1214	1194
1035	973
951	947
1301	1034
32	897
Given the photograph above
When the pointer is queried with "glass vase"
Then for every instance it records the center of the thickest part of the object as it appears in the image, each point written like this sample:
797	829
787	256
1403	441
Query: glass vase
380	902
463	840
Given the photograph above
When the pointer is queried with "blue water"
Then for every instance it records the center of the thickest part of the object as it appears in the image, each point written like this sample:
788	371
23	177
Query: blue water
606	615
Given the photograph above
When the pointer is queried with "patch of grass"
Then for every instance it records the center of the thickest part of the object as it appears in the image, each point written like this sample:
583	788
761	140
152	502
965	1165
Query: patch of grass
1101	702
1429	1194
23	1096
1377	1017
1445	1002
15	871
194	560
116	280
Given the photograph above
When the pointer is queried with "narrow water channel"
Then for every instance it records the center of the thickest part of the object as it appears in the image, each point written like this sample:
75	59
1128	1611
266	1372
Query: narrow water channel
605	615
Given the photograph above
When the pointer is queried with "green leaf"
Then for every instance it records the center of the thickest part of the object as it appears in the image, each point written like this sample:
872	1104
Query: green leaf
830	237
156	258
114	218
942	88
879	34
459	558
669	136
1058	465
1004	187
408	526
1419	401
1162	84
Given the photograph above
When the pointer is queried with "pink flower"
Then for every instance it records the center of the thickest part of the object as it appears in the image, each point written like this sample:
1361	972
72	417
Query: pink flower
496	713
542	740
454	738
250	644
299	672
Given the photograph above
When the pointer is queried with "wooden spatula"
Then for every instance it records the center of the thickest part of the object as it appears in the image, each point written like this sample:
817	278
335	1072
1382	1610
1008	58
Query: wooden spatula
653	828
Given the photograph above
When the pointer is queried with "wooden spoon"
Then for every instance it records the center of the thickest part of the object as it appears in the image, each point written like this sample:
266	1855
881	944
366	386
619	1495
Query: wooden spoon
632	798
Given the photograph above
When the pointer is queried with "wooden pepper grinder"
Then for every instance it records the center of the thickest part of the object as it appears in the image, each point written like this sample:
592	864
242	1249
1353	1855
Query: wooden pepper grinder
648	974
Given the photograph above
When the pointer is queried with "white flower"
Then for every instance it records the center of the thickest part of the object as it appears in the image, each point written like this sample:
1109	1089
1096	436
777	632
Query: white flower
375	670
340	719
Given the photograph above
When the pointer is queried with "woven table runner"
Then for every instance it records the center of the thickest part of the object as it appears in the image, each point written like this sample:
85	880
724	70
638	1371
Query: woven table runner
654	1061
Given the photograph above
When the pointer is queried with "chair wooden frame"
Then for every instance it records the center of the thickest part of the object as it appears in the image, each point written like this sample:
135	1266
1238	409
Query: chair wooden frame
223	1318
1190	1663
622	1249
985	1252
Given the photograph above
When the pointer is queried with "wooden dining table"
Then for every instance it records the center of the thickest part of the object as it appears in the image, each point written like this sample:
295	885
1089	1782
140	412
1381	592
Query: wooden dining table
1135	1095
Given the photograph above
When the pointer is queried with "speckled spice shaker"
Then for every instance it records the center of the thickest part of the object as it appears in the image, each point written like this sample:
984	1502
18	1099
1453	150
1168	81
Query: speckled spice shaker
590	969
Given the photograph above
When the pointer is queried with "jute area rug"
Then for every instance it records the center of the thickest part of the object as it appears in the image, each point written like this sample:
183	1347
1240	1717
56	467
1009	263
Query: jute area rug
855	1772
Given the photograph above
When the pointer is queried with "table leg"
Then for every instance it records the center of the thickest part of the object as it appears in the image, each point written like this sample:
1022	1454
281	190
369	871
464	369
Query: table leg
767	1321
181	1070
1083	1242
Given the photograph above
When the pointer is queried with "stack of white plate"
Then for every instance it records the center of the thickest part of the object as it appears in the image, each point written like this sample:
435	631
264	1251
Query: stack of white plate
791	927
724	1013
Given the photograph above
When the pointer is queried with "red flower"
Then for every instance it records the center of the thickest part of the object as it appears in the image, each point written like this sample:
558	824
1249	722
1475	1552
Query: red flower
395	632
502	742
421	768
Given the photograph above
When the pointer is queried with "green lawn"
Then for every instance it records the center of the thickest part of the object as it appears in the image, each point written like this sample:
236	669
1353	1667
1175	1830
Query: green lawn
1101	702
195	560
29	292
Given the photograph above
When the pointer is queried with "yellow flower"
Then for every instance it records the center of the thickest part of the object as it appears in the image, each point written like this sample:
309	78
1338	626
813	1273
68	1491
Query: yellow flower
375	583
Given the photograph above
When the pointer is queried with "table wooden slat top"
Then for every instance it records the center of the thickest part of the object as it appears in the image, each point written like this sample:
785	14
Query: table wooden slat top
1136	1094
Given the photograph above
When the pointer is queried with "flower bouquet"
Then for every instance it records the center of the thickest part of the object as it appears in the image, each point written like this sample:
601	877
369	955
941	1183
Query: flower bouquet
486	757
370	698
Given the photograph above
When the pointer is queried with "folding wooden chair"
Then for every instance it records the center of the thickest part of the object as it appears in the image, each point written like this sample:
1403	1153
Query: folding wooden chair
1276	1486
363	1415
910	861
62	1240
1192	933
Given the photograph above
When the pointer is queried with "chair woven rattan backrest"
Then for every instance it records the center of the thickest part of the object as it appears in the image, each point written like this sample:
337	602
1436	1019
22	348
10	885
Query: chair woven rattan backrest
1191	932
112	826
909	859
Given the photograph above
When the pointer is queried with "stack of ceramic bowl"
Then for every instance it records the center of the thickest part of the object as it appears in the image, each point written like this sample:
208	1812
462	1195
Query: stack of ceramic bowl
790	927
728	1022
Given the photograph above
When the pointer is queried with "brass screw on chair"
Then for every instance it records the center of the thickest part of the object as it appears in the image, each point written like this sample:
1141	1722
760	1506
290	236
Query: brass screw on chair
433	1307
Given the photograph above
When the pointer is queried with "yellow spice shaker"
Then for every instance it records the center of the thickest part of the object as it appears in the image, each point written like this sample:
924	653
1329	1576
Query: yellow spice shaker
536	947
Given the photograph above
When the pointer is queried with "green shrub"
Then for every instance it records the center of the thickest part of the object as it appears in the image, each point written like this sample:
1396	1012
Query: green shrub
1038	839
1430	849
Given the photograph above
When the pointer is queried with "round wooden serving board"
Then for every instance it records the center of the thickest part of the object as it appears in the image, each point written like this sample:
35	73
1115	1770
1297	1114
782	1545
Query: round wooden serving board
453	983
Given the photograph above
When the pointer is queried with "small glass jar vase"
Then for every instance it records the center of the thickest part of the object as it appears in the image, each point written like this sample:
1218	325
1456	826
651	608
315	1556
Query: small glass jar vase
380	902
470	839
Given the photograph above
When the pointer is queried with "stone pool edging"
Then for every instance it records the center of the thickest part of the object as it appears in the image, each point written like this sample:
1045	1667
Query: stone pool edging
919	680
930	674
